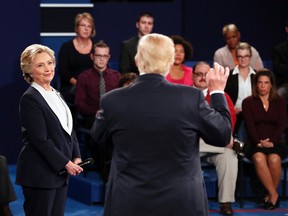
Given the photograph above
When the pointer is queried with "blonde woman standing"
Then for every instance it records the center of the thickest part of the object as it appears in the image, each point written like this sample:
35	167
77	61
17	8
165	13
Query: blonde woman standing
74	55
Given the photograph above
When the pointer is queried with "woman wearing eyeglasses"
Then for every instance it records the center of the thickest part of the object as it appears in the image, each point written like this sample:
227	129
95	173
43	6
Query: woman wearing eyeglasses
180	73
239	85
74	55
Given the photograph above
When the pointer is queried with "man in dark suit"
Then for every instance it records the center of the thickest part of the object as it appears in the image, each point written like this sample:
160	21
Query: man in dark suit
144	24
155	127
280	65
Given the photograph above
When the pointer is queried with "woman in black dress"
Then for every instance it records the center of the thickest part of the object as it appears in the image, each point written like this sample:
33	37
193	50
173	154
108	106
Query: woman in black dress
265	118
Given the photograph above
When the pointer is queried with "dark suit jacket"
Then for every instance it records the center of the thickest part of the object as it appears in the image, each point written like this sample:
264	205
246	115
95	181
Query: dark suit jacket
232	88
155	128
280	62
47	146
127	55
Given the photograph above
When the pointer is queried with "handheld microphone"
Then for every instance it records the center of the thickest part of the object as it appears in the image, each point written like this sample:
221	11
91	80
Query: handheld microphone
82	164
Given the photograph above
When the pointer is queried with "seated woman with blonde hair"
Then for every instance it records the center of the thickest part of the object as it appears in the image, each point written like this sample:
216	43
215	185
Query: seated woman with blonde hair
265	118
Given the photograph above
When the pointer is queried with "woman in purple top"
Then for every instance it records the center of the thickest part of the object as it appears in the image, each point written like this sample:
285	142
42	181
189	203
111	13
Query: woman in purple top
265	118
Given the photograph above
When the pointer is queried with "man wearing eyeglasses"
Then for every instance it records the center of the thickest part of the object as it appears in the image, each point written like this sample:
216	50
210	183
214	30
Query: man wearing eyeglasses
91	84
88	86
226	55
223	158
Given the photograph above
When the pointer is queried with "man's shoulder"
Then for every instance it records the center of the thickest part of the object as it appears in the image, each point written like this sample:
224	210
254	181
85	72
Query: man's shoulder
113	72
281	46
85	73
131	40
180	89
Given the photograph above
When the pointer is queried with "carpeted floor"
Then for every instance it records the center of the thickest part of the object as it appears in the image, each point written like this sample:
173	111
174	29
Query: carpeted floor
75	208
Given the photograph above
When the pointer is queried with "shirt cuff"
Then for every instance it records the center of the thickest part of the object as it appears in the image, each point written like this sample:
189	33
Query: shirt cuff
216	91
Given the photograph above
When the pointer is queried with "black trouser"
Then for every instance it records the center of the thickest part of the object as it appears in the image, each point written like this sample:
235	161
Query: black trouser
44	202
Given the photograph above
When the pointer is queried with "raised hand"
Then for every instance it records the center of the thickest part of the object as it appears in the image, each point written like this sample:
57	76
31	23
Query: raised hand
217	77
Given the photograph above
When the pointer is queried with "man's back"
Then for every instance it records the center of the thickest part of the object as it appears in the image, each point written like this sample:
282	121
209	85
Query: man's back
154	127
156	164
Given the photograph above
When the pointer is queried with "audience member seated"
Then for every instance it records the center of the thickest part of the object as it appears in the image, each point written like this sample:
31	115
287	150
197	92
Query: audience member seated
227	56
280	65
265	118
223	158
89	88
144	24
91	85
127	79
7	193
180	73
239	85
74	56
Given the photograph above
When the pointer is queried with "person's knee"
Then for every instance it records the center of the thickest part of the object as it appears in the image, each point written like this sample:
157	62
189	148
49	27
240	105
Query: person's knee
259	159
230	155
227	159
274	160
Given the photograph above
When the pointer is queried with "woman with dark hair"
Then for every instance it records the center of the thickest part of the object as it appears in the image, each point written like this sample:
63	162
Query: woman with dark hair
180	73
265	118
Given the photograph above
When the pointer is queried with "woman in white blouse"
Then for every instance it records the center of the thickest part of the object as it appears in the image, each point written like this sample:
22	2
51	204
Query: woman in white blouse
50	144
239	85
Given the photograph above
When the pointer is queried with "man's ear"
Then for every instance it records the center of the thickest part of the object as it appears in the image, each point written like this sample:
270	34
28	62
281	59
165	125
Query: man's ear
136	61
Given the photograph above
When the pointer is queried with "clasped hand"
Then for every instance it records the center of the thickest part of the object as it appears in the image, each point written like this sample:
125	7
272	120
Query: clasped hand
216	77
265	143
73	168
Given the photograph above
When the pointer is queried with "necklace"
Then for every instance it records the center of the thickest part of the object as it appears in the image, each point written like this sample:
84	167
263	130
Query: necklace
81	45
265	105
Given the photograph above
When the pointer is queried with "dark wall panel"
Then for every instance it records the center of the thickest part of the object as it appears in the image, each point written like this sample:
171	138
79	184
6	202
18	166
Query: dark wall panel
60	19
261	24
18	31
